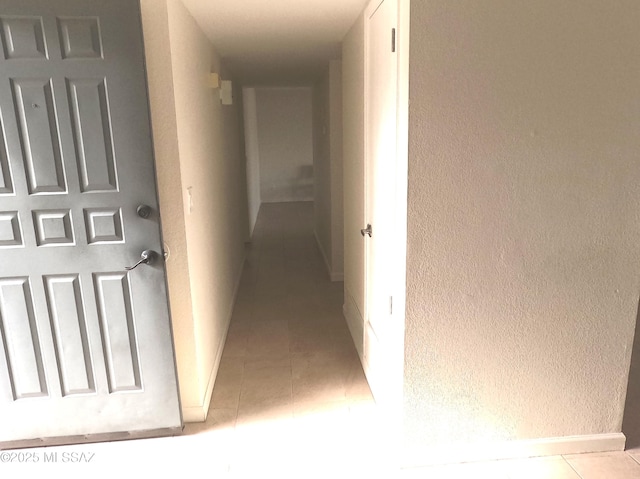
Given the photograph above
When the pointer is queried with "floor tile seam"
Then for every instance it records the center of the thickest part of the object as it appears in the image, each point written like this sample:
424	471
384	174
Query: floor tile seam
240	389
633	458
516	475
564	456
341	402
291	384
235	415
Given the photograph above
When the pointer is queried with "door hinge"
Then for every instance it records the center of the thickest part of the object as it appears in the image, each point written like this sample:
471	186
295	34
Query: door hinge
393	40
390	304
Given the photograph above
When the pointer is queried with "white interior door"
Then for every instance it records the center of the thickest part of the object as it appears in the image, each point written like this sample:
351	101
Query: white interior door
86	345
381	65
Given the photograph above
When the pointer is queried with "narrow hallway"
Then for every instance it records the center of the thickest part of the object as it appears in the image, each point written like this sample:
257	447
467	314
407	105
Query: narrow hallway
290	388
291	398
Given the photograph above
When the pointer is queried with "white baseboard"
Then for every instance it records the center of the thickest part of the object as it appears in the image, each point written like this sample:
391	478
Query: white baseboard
337	277
333	276
289	199
194	414
355	323
199	413
554	446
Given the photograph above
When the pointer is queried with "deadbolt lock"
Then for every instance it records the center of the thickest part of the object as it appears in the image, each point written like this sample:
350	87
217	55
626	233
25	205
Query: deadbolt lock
144	211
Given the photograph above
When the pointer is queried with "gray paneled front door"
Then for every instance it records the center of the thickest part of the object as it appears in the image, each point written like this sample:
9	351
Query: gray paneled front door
85	344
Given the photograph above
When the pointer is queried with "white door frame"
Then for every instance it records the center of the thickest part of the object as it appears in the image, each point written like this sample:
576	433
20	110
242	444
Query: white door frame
392	404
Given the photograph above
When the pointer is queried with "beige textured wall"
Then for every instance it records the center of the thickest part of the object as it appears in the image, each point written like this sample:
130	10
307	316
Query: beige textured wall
337	173
353	169
523	258
285	140
165	137
252	150
327	165
202	191
322	168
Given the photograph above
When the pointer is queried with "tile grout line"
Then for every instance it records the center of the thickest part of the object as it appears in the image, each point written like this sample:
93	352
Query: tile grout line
632	457
571	466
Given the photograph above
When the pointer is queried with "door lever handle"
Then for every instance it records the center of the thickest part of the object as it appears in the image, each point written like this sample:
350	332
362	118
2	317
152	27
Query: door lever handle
366	231
146	257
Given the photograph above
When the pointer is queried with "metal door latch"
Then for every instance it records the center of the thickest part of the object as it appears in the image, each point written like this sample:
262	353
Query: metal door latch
147	257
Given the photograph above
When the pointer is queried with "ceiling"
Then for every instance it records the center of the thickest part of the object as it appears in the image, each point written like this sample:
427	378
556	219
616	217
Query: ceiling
276	42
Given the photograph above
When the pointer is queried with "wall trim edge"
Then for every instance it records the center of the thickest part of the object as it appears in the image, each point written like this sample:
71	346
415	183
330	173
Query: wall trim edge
287	199
355	323
337	277
333	276
199	413
551	446
194	414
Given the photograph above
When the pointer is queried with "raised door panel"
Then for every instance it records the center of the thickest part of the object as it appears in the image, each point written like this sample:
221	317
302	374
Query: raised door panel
23	37
53	227
68	325
80	37
40	139
20	339
92	134
6	182
119	339
10	230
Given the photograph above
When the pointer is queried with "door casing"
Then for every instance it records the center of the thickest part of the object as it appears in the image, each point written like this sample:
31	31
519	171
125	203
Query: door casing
385	372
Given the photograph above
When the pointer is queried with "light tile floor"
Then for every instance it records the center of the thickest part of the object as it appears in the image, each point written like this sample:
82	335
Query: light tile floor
291	399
